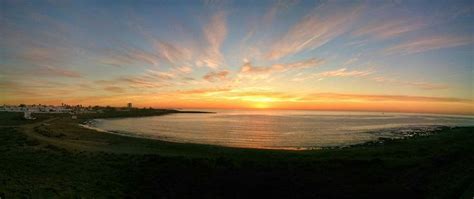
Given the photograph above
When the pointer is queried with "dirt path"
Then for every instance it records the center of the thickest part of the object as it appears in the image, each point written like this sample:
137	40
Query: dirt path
71	145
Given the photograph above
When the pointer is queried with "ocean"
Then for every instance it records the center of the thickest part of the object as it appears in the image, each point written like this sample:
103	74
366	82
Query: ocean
280	129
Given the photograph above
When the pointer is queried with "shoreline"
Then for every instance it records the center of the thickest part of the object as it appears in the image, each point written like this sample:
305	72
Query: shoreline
399	133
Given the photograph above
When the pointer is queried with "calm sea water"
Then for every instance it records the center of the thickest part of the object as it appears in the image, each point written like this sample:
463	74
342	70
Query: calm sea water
279	129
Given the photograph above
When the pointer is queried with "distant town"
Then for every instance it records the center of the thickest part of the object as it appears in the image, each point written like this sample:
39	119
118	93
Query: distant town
63	108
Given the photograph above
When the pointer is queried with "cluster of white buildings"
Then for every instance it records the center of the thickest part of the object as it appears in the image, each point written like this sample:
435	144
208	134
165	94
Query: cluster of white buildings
64	108
29	109
36	109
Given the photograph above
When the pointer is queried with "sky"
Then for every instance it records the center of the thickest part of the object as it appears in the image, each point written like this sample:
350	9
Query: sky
403	56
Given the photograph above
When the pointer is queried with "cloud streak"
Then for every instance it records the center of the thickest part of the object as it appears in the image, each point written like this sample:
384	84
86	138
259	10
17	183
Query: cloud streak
59	72
342	72
127	56
114	89
248	68
207	91
423	44
416	84
214	33
382	98
388	28
172	54
322	25
216	76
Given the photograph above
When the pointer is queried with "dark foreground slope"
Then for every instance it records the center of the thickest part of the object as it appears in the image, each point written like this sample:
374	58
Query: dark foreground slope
54	157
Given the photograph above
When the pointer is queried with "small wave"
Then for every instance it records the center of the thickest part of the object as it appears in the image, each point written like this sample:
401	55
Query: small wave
93	128
409	131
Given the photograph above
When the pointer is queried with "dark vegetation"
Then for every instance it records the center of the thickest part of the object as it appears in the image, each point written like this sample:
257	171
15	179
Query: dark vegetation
16	118
54	157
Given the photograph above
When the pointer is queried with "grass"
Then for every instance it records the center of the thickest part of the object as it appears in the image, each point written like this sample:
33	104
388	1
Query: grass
54	157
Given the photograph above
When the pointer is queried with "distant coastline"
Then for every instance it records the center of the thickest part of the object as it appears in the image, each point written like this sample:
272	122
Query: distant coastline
133	113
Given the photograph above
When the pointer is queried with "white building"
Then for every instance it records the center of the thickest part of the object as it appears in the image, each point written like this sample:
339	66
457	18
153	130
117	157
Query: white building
27	115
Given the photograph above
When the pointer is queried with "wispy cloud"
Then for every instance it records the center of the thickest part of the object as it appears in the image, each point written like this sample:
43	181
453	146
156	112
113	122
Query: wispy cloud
322	25
273	11
248	68
343	72
369	74
185	69
140	82
384	29
61	72
205	91
172	54
148	80
38	88
214	76
114	89
159	75
351	61
214	33
427	85
423	44
382	98
416	84
126	56
260	96
214	3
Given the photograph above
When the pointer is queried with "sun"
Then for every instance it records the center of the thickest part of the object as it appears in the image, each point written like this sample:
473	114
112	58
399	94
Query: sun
261	105
260	102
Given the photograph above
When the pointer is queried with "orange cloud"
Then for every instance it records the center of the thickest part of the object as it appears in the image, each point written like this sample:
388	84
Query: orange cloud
140	82
214	76
204	91
248	68
160	75
61	72
114	89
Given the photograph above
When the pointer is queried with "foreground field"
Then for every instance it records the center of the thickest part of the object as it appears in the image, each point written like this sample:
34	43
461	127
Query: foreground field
55	157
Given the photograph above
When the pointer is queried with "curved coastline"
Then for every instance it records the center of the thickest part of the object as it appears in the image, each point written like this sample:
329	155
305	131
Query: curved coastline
397	133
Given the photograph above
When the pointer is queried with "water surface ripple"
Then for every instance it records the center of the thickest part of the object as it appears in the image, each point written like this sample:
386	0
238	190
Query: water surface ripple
279	129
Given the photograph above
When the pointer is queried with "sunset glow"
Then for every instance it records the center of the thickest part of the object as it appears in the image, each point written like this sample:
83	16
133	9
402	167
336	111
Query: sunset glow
335	55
